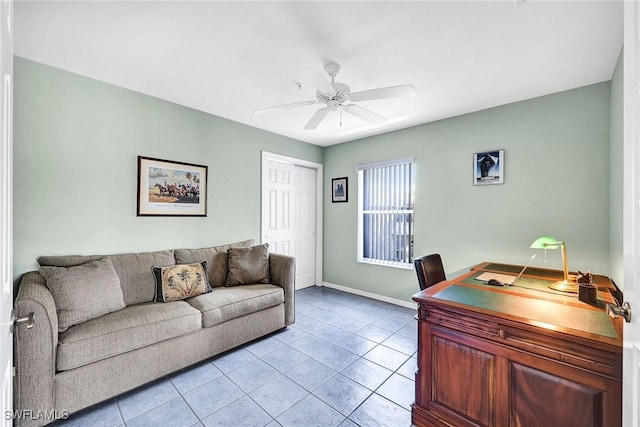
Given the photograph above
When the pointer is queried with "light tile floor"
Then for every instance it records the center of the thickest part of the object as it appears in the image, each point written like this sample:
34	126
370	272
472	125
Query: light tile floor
348	360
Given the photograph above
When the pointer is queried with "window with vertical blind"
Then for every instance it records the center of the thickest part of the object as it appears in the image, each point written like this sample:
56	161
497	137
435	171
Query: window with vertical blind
385	212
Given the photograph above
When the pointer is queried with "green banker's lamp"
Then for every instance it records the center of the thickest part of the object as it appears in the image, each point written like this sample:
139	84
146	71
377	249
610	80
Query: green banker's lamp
549	242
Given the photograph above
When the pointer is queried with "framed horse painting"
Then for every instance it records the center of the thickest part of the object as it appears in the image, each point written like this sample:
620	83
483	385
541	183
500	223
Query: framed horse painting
169	188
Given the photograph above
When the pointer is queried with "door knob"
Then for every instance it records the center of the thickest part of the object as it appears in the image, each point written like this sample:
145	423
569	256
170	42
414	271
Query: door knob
625	311
15	321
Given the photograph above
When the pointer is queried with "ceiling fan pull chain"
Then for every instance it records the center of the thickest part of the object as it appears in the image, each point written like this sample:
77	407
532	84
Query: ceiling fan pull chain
341	115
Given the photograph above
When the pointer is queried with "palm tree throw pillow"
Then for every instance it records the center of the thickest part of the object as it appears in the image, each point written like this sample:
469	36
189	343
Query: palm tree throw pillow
180	281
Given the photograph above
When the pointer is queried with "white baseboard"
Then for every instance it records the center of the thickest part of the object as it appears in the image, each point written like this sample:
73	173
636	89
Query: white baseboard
407	304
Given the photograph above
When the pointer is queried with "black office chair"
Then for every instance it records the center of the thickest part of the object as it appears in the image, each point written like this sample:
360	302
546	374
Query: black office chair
430	270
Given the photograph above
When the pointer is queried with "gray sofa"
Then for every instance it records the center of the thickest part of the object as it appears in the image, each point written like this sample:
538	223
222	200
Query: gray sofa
63	372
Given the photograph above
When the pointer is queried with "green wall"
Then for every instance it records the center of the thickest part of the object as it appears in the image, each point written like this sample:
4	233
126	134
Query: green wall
556	182
76	142
616	271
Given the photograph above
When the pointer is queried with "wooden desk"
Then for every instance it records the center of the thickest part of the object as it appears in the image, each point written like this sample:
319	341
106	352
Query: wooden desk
517	355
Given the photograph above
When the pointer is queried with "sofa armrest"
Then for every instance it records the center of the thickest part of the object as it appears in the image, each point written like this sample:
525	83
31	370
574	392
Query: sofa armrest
283	273
35	348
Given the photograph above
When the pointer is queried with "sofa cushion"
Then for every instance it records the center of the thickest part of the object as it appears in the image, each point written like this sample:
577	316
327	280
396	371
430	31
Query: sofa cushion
216	258
131	328
180	281
134	270
248	266
83	292
226	303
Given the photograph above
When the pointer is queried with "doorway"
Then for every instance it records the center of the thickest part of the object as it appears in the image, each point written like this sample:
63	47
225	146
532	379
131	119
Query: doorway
291	214
631	225
6	214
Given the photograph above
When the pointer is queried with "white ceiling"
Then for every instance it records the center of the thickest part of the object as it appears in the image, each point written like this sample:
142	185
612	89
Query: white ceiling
231	58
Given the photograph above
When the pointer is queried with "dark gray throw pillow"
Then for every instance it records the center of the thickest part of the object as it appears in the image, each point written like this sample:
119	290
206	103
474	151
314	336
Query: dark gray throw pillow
216	258
248	266
84	292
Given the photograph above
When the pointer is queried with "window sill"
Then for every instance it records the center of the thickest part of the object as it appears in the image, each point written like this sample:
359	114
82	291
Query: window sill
397	265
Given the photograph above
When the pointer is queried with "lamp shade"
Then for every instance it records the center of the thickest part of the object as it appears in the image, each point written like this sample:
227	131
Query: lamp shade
546	242
550	242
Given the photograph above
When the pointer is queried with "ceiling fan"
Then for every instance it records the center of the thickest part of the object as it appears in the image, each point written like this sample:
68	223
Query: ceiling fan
338	97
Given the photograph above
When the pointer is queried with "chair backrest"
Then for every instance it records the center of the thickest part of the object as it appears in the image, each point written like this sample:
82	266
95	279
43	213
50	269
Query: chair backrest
430	270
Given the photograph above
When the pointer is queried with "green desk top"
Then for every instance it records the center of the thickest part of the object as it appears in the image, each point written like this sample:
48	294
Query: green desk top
538	310
524	282
533	271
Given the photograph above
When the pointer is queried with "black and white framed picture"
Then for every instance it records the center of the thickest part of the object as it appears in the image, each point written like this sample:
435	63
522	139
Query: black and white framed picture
488	167
339	190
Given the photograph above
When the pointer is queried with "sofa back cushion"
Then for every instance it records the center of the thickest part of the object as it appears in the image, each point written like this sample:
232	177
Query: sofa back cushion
216	258
134	270
83	292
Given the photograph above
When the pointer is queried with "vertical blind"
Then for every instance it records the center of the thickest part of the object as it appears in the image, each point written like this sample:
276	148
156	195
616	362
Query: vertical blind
386	212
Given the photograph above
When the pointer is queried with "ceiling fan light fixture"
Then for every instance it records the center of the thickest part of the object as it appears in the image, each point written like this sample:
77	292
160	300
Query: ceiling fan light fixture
332	69
336	95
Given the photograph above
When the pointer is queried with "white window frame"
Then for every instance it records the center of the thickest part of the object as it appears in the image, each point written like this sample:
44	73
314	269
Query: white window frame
360	246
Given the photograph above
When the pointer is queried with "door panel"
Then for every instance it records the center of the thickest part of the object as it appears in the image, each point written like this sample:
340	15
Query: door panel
581	405
276	228
631	88
304	225
289	215
472	367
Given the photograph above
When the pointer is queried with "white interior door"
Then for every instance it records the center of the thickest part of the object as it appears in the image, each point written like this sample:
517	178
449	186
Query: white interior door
277	204
631	352
290	213
6	227
304	223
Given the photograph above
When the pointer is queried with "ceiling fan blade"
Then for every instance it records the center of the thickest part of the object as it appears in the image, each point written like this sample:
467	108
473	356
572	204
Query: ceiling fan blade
319	79
285	106
316	119
383	93
364	114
